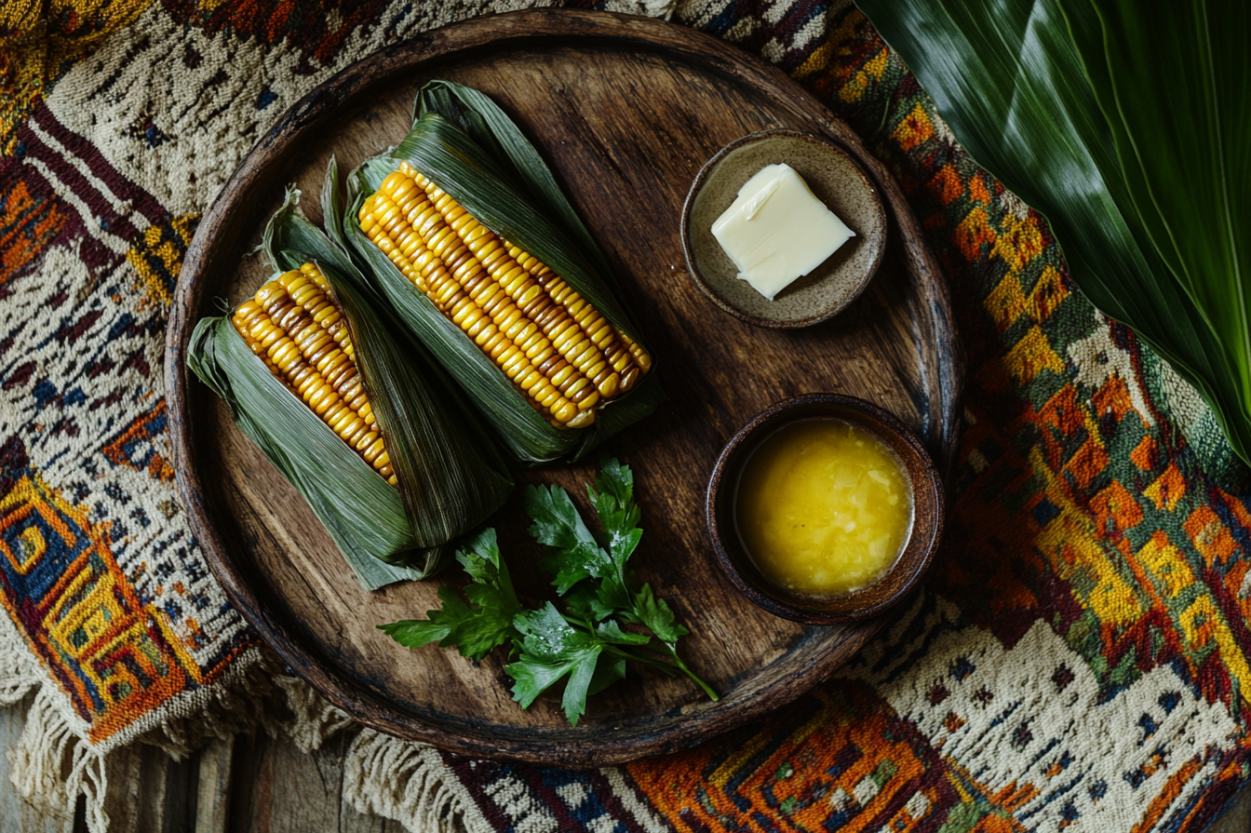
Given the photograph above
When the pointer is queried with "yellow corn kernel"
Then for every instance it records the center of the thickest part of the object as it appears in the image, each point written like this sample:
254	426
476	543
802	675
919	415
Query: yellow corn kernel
563	355
296	328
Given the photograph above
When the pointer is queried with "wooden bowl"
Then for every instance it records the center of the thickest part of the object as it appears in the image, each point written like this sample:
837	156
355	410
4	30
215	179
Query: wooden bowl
927	524
836	178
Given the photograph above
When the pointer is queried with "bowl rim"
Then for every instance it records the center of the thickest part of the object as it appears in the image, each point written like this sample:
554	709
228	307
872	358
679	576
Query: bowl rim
923	541
688	250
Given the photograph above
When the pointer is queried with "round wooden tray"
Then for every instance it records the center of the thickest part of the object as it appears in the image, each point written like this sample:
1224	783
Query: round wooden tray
626	110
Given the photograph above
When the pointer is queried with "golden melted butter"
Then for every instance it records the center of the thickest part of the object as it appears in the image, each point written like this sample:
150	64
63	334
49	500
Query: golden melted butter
824	507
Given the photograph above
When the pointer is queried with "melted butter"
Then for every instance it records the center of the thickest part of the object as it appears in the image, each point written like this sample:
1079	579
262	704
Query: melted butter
824	507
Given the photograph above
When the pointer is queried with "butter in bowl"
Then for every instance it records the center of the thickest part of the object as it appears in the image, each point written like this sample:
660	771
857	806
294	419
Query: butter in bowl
824	509
776	230
783	229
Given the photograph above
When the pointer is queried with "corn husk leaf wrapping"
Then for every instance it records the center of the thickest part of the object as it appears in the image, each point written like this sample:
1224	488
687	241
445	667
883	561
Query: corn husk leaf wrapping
451	476
496	133
489	182
367	522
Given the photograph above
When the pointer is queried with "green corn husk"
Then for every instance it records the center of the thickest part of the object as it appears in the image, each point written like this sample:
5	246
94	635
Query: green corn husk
450	474
473	151
367	523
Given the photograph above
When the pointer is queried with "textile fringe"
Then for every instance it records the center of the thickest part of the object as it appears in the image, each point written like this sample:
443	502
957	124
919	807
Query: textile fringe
409	783
313	719
19	671
52	765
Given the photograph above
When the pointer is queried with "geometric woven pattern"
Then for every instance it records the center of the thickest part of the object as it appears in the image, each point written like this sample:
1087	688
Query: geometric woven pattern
1077	658
111	657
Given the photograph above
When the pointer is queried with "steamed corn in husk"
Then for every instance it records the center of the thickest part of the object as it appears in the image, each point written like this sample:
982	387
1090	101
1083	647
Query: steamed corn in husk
352	411
508	291
556	348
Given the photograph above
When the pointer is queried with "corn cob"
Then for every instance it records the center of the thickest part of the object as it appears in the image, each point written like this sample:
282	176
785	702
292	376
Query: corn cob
558	349
299	332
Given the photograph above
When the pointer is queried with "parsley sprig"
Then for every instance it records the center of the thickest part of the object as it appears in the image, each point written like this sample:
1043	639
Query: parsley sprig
609	617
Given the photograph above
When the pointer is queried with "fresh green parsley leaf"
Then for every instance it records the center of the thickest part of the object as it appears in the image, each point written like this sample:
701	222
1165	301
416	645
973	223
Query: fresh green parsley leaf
617	481
655	614
613	594
613	499
608	670
481	625
413	633
551	648
610	631
586	643
570	550
583	603
480	556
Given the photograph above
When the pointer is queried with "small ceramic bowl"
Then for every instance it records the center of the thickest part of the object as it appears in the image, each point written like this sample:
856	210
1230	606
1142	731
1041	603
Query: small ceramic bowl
927	525
835	178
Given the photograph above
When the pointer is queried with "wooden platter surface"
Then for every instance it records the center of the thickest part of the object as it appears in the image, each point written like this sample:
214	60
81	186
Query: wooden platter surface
626	110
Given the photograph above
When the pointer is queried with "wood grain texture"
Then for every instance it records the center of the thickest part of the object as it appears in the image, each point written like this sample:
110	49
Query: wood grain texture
626	110
150	792
276	788
212	792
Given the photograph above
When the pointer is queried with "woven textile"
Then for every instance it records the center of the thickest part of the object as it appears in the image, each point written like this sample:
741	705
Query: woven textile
1077	658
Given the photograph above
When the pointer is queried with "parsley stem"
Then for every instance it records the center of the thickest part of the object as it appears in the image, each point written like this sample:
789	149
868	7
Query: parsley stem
627	655
677	660
667	667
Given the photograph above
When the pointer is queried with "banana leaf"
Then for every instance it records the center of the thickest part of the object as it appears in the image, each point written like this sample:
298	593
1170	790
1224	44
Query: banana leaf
488	178
451	475
1183	144
1120	125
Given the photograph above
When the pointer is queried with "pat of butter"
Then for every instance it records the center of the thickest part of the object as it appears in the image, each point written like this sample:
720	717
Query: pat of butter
777	231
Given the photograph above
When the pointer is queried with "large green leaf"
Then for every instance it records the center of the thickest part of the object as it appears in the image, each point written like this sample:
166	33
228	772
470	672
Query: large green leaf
1009	80
1175	86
